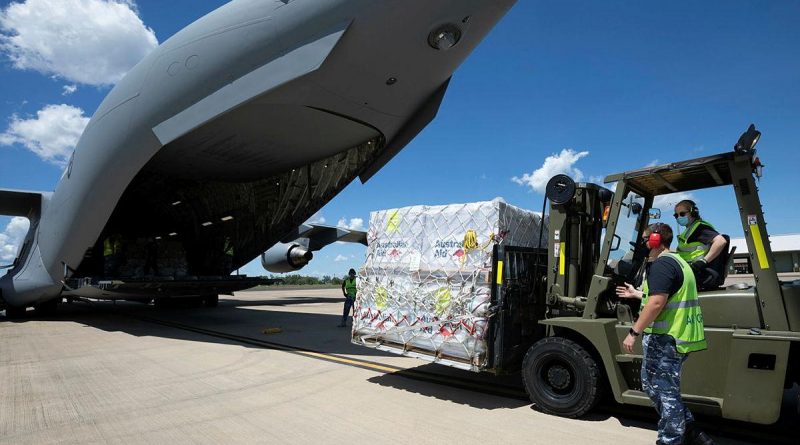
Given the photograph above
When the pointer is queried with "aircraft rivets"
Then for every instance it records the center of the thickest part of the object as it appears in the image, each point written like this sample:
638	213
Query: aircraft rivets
391	81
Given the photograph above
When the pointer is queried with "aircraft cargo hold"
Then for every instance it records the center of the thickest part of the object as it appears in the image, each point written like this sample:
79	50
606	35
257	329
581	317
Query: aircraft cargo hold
425	287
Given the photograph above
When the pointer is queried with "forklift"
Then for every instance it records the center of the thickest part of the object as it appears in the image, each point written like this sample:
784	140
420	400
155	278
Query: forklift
558	320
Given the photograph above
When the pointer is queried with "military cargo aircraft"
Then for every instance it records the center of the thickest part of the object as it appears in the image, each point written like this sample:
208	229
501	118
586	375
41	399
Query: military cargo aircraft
229	136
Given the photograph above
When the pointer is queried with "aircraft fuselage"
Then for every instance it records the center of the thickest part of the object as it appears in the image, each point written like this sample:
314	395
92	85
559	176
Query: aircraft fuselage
240	127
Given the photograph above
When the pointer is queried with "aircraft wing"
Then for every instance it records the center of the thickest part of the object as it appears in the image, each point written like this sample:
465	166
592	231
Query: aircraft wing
319	236
295	250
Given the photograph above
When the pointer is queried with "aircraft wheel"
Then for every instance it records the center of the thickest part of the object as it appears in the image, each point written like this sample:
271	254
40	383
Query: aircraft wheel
48	307
561	377
211	301
15	313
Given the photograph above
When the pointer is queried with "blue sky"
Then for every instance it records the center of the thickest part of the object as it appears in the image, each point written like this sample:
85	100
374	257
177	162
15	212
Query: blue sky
628	82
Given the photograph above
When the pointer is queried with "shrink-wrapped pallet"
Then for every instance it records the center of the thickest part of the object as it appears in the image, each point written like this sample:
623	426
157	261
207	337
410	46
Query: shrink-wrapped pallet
425	285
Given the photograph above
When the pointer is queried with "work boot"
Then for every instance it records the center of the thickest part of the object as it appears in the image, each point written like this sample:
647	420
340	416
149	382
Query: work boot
694	436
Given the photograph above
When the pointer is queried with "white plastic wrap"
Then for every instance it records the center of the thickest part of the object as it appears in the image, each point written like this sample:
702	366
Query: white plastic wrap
423	288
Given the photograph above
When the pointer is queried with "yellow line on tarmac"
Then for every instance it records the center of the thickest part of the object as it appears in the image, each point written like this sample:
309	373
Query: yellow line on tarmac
347	361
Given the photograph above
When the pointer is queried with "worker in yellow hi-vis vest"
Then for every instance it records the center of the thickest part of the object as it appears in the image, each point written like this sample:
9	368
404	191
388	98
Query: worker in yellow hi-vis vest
671	325
701	246
349	291
112	255
227	255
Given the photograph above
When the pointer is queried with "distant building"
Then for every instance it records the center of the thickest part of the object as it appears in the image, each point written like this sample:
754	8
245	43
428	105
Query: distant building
785	251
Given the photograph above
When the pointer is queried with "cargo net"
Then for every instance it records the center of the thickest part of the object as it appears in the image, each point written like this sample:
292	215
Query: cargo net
425	286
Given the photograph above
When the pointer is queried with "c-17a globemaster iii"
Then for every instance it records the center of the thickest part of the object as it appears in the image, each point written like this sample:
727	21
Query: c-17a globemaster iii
231	134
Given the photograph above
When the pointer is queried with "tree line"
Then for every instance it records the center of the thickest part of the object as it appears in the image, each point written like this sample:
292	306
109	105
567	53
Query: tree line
295	280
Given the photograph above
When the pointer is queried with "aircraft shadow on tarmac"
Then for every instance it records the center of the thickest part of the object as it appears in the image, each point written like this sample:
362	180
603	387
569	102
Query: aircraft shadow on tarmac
304	330
318	332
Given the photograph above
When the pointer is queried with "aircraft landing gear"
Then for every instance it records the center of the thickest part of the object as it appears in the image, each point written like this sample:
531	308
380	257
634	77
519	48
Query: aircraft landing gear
15	313
48	307
211	300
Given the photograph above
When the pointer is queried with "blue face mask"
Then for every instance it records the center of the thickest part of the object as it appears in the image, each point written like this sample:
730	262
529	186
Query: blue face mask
682	221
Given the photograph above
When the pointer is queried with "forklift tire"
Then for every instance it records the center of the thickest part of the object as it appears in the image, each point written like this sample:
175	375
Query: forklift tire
561	377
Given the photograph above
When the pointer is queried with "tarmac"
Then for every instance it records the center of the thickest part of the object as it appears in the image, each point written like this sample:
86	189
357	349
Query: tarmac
269	367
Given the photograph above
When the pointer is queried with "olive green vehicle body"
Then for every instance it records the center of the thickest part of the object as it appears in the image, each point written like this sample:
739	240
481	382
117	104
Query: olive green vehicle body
753	333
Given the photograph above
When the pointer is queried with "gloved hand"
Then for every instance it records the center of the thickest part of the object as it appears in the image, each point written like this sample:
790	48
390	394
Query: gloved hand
698	265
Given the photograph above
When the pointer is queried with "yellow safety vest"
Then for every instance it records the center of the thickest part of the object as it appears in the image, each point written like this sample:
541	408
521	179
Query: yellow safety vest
695	250
350	287
110	247
682	317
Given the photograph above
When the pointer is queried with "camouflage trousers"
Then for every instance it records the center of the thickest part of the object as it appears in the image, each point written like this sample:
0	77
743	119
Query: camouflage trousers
661	380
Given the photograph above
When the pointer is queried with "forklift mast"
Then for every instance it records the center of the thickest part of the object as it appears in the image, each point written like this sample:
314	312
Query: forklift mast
576	225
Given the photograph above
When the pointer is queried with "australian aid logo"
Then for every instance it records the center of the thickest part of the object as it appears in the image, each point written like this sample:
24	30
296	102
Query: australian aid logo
448	249
390	249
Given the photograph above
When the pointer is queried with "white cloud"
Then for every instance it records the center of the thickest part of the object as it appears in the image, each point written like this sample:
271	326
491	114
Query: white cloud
667	202
51	135
69	89
353	224
562	163
11	239
596	180
340	258
93	42
316	218
652	163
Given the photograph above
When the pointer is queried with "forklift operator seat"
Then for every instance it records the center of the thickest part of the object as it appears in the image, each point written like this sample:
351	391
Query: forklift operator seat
722	264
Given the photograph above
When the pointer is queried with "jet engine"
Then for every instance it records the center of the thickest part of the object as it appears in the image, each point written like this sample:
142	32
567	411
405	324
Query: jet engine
282	258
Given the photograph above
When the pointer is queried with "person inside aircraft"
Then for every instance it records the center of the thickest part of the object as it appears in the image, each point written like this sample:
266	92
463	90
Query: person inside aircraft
112	255
700	245
227	257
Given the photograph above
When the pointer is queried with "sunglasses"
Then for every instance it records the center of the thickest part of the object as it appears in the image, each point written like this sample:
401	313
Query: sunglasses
680	214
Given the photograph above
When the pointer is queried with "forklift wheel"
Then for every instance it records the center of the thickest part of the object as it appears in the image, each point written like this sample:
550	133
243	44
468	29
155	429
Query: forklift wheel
561	378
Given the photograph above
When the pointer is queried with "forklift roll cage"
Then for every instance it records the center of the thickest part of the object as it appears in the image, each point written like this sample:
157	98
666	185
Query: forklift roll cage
725	169
753	334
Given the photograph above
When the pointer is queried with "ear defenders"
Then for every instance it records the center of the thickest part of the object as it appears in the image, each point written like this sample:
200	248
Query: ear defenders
693	210
654	240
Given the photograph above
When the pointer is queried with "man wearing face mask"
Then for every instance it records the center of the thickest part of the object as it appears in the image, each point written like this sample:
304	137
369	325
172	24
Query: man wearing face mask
700	245
672	323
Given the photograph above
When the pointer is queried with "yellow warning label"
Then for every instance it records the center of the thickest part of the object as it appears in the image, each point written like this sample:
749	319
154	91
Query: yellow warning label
381	298
499	272
443	300
763	261
561	259
394	222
